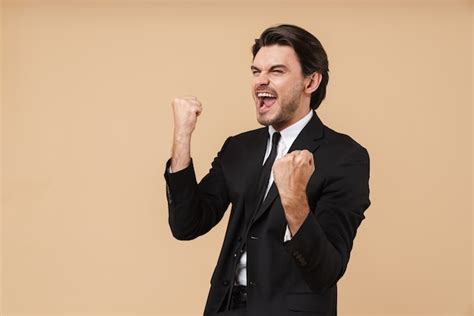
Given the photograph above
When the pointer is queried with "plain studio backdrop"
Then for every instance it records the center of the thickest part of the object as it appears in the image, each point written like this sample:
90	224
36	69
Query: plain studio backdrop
87	127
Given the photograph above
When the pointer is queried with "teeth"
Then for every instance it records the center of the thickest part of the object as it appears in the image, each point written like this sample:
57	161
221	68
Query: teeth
265	95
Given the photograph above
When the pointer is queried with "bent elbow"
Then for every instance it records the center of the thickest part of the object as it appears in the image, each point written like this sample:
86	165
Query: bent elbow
181	235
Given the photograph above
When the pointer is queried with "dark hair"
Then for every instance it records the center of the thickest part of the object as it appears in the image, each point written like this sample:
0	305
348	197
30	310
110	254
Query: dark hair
309	50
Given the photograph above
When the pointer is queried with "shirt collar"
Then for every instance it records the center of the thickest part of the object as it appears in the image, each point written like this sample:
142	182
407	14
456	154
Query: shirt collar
289	134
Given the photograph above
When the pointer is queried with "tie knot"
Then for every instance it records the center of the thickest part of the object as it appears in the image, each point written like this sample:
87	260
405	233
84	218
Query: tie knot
276	138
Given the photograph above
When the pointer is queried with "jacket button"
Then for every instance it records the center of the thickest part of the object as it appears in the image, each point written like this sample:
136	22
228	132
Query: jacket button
225	283
252	283
253	237
235	255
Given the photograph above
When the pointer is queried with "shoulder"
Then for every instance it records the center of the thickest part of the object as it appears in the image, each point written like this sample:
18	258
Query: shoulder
246	138
343	146
249	135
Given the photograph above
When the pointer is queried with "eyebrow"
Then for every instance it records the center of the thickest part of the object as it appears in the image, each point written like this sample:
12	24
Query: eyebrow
271	68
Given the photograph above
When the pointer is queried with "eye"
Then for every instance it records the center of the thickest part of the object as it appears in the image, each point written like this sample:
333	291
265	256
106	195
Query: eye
255	72
277	71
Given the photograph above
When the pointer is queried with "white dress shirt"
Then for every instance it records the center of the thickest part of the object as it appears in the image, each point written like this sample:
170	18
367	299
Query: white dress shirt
288	136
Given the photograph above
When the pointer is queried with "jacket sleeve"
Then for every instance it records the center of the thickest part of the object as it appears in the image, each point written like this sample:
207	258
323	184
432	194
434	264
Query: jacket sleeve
195	208
322	245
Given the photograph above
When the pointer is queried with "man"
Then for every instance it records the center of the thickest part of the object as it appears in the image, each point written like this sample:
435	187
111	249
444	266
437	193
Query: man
290	231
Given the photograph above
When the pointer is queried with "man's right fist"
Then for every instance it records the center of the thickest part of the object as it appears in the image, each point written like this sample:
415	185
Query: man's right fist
186	110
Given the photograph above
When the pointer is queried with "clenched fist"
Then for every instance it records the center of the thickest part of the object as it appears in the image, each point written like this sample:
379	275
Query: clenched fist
292	173
185	111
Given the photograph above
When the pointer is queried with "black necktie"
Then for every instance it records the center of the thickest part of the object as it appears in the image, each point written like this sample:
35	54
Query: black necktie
267	169
261	188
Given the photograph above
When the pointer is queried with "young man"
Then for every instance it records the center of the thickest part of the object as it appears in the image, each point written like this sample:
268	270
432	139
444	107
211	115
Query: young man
298	189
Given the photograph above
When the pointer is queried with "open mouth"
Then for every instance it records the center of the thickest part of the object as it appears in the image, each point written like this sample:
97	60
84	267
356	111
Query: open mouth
265	100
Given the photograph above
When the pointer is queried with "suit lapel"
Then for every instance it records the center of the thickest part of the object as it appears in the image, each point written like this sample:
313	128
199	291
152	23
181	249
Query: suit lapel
255	154
309	138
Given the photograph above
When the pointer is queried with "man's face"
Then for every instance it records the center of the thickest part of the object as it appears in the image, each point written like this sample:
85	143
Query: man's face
278	87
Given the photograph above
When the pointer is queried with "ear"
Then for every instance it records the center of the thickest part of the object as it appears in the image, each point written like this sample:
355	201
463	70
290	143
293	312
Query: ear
312	82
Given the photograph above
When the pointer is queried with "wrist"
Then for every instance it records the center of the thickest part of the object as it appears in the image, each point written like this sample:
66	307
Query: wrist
295	222
294	198
178	164
296	209
182	135
181	151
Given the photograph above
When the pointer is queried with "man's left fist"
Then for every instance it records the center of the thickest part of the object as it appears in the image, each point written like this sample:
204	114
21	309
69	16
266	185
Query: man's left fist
291	174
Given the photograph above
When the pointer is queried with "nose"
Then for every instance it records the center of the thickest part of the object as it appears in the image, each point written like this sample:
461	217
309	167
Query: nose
261	80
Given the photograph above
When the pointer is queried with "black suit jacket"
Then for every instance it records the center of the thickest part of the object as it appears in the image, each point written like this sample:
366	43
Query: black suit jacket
297	277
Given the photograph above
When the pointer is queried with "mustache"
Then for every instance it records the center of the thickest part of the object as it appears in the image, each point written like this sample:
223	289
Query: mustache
265	89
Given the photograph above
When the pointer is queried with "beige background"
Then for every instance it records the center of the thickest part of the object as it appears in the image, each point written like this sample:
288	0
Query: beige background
86	130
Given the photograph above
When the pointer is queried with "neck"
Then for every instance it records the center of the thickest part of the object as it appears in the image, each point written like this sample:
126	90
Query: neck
279	126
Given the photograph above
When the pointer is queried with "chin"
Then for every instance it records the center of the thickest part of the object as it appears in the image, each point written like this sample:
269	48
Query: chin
266	121
262	121
268	117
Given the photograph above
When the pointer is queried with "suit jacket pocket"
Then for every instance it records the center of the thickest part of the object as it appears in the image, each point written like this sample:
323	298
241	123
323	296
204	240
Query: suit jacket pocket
307	302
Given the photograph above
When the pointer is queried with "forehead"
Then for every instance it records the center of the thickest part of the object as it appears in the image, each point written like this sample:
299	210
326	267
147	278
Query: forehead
268	56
